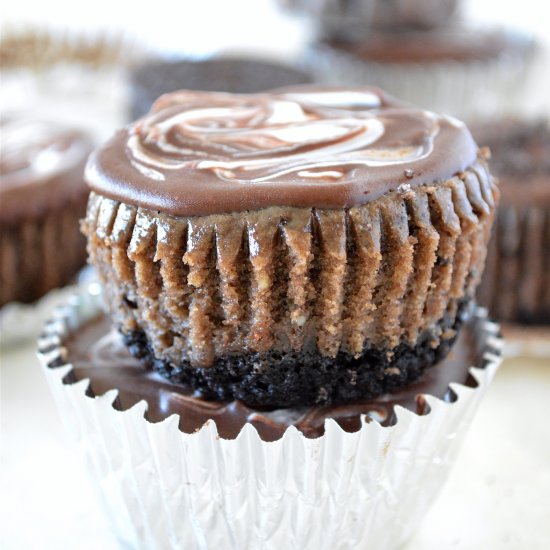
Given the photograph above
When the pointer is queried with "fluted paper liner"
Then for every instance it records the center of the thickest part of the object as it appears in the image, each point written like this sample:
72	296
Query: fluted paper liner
376	274
166	489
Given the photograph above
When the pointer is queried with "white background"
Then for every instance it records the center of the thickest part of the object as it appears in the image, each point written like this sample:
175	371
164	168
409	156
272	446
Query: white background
203	26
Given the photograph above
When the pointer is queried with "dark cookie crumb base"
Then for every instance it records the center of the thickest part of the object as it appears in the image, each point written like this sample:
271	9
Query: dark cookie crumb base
275	380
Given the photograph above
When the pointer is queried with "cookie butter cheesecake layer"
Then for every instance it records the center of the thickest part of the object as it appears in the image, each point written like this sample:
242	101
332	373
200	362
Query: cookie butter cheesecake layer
300	246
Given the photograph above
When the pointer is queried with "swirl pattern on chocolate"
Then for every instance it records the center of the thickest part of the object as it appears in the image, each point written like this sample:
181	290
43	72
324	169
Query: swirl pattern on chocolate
199	153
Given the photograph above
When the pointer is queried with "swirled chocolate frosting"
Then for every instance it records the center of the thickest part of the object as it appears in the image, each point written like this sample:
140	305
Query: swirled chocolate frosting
200	153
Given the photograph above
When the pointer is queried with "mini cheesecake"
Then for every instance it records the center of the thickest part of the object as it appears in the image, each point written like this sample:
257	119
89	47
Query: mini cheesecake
295	247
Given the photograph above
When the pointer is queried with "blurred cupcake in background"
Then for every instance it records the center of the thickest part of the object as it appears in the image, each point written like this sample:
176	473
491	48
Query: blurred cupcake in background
223	74
516	283
421	52
62	92
335	18
75	78
39	49
42	198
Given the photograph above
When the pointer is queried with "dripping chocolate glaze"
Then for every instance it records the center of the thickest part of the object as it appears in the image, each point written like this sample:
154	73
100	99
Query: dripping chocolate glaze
97	353
200	153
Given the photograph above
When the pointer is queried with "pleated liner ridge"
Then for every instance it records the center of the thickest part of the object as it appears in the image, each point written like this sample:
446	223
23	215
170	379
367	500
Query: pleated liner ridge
294	278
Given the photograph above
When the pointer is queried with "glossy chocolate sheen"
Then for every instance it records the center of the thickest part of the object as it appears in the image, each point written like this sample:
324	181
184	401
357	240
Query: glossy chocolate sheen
41	164
97	353
200	153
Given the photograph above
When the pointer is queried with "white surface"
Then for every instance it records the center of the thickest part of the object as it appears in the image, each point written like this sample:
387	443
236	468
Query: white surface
497	496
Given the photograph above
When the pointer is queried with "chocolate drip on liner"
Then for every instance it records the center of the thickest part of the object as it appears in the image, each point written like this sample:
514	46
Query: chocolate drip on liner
96	353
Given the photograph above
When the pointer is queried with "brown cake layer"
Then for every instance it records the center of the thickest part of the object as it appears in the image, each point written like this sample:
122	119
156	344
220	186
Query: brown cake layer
96	353
295	281
516	283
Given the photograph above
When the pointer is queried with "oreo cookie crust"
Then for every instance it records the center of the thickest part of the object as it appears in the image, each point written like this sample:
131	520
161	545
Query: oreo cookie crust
294	379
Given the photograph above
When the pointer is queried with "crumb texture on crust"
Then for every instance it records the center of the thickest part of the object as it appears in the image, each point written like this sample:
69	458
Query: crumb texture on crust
289	379
292	280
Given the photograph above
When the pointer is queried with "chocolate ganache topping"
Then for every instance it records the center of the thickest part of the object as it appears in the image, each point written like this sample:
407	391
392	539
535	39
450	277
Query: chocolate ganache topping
199	153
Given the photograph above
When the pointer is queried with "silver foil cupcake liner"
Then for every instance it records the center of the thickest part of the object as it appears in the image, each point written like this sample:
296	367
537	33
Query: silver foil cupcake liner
163	488
470	89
